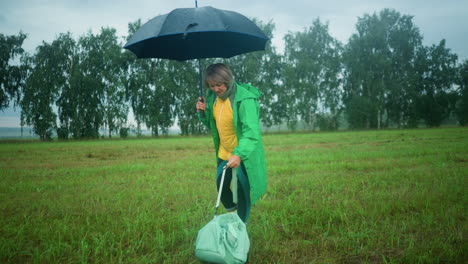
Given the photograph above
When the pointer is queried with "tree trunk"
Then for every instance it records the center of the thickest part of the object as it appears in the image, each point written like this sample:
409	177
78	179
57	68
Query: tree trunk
378	119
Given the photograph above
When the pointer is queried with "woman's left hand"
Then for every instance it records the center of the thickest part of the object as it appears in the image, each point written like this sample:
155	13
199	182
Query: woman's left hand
234	161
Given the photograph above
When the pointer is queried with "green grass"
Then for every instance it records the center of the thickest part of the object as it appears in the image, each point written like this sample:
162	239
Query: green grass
396	196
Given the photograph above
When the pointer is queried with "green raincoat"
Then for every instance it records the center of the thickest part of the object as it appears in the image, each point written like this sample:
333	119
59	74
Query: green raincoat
247	126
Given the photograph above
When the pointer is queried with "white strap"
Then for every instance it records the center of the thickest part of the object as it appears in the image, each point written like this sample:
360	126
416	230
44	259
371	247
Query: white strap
221	187
234	187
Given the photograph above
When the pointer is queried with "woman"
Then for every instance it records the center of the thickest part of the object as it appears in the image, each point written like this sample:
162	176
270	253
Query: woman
232	115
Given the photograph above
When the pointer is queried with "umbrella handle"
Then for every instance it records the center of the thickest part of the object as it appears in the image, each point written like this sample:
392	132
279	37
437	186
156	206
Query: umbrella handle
200	87
202	113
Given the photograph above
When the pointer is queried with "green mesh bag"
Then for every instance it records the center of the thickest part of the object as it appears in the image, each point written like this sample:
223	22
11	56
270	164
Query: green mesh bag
224	239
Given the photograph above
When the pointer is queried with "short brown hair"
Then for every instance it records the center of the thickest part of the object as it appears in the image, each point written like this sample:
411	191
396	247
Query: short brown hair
219	73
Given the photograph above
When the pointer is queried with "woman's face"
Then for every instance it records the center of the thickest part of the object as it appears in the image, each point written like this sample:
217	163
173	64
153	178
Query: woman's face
217	88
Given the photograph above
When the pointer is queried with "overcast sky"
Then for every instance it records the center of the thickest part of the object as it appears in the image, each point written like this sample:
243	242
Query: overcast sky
43	20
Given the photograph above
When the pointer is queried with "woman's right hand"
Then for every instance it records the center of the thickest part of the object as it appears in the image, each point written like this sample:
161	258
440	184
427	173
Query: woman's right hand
201	104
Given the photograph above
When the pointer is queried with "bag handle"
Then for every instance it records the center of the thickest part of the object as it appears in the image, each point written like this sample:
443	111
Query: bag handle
234	187
220	190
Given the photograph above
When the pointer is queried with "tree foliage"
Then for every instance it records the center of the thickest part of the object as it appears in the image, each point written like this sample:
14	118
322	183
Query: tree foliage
461	110
311	71
383	76
261	69
11	75
41	89
379	70
437	77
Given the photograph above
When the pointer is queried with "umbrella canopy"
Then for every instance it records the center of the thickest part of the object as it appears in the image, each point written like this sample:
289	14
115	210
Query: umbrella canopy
197	33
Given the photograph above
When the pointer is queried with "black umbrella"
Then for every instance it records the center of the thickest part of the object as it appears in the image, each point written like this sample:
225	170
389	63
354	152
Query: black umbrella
197	33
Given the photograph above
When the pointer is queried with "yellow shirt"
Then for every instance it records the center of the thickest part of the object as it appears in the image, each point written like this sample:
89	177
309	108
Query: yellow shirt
222	112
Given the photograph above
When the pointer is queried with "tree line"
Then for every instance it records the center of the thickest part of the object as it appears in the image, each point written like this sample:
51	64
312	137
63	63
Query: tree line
382	77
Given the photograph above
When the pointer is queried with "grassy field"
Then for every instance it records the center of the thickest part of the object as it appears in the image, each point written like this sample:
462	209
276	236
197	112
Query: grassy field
396	196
